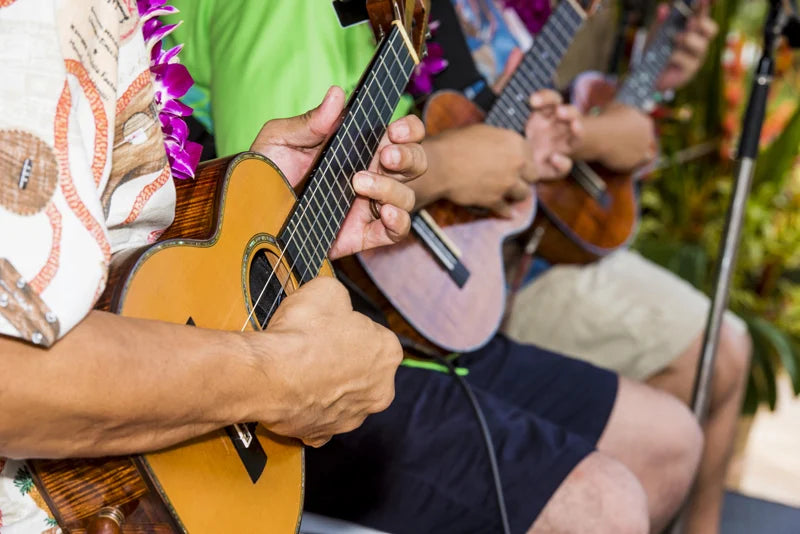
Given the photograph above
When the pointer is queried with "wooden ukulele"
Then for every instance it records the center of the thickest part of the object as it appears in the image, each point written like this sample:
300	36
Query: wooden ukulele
449	283
595	211
241	241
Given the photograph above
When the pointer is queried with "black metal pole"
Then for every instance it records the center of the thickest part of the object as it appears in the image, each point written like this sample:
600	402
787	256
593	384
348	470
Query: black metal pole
729	246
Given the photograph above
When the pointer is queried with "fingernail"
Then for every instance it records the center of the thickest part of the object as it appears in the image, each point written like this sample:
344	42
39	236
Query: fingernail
363	181
536	101
394	155
400	129
560	159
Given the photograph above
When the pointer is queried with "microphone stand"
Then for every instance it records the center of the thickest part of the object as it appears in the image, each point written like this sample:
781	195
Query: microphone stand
780	21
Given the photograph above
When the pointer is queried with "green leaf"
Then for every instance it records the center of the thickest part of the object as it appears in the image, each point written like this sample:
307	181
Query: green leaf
777	159
763	366
782	345
751	396
794	372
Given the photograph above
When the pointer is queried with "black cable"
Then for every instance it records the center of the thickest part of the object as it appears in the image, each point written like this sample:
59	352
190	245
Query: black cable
418	350
364	304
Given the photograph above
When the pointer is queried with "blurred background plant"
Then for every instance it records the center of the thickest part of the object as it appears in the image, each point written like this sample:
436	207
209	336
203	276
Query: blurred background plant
685	205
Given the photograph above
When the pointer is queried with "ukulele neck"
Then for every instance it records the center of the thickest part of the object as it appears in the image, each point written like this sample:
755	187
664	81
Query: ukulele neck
639	88
537	70
328	195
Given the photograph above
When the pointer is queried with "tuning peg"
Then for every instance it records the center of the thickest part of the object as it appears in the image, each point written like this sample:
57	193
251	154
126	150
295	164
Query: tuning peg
107	521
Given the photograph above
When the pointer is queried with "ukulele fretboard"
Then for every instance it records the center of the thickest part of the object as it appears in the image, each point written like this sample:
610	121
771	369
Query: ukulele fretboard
538	67
328	195
639	88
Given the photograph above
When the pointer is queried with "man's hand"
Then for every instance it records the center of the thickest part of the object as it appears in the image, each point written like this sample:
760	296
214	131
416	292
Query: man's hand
621	138
293	144
481	166
333	366
691	47
553	131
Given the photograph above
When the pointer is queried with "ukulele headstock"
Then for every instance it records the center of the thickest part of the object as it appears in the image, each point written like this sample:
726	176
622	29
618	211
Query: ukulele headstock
411	15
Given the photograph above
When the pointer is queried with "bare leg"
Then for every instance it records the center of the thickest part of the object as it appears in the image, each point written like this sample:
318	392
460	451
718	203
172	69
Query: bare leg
600	496
730	374
658	440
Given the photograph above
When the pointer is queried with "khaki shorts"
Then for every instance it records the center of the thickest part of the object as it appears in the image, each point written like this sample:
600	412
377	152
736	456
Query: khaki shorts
623	313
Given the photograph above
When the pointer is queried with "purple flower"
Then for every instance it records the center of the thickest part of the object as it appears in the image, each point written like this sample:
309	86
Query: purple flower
533	13
172	80
421	82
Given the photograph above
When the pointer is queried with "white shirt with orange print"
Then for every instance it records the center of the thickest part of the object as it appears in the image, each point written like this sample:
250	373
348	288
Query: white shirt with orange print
83	174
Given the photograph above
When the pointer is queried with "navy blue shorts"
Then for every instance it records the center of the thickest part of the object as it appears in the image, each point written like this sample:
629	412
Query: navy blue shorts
421	466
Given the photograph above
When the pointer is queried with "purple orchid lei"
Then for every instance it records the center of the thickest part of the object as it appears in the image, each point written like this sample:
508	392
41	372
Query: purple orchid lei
172	80
421	82
533	13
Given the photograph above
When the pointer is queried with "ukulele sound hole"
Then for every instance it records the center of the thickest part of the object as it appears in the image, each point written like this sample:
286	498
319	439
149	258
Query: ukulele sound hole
267	285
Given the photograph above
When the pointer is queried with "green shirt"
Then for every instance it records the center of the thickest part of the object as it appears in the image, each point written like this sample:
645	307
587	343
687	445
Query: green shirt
257	60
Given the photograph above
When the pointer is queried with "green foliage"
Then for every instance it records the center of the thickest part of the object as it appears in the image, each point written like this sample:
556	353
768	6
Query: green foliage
684	211
776	162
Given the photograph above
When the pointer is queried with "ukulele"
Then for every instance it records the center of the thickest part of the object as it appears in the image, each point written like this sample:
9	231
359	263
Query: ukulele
447	280
241	241
595	211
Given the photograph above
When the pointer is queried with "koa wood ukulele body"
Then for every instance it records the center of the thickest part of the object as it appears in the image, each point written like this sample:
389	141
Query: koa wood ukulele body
595	211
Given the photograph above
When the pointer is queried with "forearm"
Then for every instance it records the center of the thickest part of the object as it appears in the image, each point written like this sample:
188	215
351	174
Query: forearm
117	385
599	134
620	138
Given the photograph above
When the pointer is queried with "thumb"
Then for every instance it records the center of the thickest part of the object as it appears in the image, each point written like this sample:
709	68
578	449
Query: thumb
307	130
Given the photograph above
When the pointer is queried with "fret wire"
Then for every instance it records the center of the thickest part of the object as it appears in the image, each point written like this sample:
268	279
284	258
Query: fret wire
535	78
508	99
531	73
499	119
353	147
512	111
313	224
516	92
561	31
534	71
543	66
547	37
516	124
659	53
520	84
343	191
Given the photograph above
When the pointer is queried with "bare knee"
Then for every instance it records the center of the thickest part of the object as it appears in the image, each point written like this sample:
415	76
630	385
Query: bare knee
681	448
733	361
657	437
601	496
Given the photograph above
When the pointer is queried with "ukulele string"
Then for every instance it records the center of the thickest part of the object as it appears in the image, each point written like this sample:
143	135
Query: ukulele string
317	243
317	185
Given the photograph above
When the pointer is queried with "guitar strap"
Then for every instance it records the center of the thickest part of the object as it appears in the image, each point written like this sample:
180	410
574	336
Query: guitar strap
461	74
